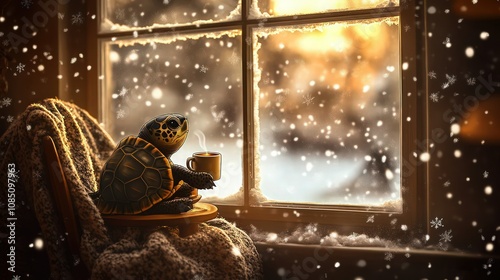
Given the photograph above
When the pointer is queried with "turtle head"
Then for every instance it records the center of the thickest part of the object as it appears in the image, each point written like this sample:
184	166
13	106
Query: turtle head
166	132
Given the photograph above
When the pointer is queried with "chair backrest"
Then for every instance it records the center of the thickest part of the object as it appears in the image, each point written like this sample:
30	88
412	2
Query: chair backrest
62	198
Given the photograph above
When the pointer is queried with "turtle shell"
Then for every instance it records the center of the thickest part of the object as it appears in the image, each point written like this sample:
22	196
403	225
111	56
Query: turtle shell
135	177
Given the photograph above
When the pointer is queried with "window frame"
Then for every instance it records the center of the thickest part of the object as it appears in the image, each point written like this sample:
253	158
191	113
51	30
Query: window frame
414	181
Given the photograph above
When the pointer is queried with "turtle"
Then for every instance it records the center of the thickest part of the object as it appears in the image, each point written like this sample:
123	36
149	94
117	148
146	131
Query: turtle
140	178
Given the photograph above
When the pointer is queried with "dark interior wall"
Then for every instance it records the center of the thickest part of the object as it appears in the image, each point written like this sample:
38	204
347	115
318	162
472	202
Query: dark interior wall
46	37
461	169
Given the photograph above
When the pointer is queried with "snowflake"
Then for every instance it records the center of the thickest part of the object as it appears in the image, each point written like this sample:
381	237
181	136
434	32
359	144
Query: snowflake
10	119
20	67
446	41
471	81
120	14
77	19
248	40
76	260
434	97
203	69
447	183
407	27
371	219
488	264
432	75
37	175
486	174
123	91
280	98
166	2
451	79
5	102
436	223
60	15
26	3
307	99
120	114
445	85
388	256
16	277
445	236
443	246
234	58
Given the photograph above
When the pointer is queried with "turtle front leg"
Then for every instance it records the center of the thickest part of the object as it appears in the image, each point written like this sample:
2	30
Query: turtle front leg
199	180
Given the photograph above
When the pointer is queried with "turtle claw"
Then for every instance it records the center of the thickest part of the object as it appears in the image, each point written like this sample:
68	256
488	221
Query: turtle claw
205	181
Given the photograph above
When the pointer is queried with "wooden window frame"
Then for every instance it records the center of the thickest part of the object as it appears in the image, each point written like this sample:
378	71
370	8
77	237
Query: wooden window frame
345	219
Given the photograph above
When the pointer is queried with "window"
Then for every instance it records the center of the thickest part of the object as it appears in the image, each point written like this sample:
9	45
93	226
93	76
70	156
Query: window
311	103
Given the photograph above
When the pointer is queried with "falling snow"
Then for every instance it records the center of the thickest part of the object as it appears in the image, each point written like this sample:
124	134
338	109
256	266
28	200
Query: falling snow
20	67
26	3
445	236
120	114
371	219
388	256
6	101
307	99
436	223
120	14
471	81
434	97
432	75
234	58
123	91
203	69
77	18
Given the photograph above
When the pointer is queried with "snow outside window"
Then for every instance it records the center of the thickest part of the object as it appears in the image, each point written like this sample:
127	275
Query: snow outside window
306	112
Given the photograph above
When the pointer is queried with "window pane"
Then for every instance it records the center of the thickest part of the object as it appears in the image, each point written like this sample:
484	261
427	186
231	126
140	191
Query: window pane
328	98
267	8
125	15
198	76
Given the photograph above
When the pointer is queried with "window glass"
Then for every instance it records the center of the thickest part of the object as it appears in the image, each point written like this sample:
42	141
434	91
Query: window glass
328	112
271	8
125	15
197	75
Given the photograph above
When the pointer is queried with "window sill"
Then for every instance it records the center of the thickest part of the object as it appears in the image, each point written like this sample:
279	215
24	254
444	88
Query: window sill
297	261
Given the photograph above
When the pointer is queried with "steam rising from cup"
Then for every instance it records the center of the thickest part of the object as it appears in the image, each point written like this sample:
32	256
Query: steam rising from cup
201	140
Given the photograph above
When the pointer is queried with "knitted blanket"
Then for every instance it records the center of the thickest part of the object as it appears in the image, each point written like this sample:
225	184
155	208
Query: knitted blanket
218	251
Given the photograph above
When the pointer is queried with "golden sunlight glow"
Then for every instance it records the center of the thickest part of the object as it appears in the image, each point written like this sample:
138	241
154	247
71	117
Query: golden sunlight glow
294	7
330	38
289	7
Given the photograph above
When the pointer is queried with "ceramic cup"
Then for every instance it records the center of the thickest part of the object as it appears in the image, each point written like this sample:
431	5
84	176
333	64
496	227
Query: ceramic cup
209	162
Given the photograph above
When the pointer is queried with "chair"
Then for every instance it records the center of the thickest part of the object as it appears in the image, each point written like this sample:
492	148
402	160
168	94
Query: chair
186	222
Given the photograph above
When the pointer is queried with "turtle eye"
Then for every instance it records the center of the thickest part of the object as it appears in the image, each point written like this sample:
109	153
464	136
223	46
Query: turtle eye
173	124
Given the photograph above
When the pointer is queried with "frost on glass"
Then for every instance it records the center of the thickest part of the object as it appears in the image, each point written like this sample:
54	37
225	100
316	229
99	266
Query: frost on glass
196	75
125	15
270	8
327	105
